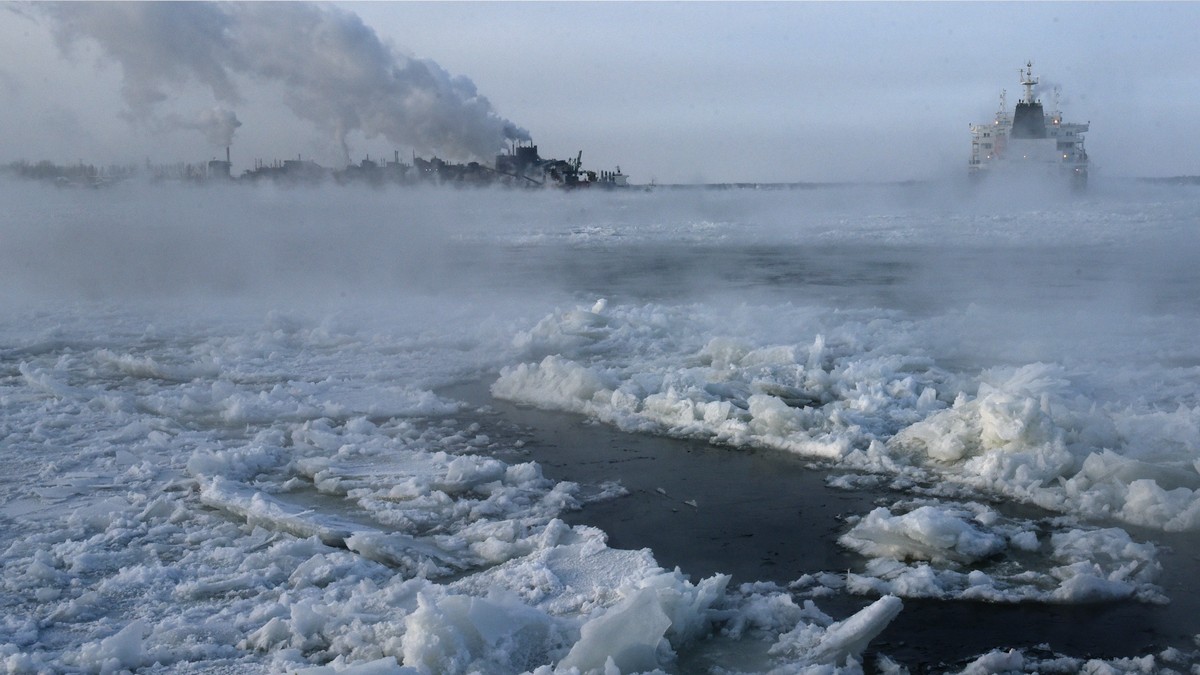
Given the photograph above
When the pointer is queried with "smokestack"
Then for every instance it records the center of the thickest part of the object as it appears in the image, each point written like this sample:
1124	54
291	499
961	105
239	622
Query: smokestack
227	154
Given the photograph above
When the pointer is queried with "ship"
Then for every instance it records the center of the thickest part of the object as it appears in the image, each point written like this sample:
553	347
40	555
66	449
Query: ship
523	163
1030	141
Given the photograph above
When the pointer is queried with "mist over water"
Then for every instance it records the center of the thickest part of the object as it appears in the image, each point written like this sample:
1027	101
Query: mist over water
994	276
275	369
1079	266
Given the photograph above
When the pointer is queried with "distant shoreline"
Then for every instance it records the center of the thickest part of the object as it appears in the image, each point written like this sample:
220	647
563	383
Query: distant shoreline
91	175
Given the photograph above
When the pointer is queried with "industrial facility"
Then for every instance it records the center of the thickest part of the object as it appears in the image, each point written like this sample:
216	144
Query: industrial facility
520	166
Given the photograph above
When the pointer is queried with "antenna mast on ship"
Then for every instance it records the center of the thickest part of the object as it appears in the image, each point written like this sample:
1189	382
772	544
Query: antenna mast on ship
1028	80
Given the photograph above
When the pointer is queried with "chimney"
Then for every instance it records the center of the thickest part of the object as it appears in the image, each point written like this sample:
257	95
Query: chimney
227	154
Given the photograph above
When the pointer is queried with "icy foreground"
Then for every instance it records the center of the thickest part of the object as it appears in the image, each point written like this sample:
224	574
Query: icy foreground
294	507
226	449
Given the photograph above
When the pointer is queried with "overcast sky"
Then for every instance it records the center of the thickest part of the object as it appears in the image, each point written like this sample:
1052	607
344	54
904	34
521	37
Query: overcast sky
672	92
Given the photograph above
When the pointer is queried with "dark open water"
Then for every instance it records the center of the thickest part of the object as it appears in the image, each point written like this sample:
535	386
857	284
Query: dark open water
765	516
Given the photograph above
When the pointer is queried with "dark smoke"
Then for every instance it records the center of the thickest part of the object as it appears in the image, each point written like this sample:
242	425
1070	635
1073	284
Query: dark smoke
335	71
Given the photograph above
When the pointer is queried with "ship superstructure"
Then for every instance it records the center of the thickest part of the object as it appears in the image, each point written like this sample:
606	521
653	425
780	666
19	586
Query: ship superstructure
1030	140
522	162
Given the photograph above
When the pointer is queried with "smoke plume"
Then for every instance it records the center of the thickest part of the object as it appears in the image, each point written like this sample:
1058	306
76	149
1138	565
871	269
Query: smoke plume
217	124
335	71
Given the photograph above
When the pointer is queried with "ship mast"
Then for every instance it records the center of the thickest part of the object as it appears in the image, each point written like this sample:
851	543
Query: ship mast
1028	80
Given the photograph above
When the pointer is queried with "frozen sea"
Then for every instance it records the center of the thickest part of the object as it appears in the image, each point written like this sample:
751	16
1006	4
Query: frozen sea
840	429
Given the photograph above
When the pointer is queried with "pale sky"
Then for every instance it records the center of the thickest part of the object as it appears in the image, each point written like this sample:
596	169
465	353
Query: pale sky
671	92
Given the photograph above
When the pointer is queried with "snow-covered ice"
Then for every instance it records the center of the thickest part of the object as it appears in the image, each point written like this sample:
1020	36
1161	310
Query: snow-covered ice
228	447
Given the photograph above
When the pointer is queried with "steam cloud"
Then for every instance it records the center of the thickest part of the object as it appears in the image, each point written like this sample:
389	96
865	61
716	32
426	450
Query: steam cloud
217	124
335	71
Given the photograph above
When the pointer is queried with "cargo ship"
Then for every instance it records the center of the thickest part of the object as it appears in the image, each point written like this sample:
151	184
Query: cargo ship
1030	141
